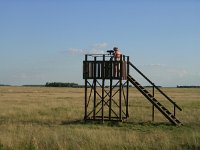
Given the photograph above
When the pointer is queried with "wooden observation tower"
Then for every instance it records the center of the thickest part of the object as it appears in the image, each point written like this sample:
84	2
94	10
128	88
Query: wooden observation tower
107	89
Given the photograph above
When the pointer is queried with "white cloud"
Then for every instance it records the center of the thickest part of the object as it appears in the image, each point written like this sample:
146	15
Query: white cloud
158	65
151	66
98	48
100	45
75	51
95	49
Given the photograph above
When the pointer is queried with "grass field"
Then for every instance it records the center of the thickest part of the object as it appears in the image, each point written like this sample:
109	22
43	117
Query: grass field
51	118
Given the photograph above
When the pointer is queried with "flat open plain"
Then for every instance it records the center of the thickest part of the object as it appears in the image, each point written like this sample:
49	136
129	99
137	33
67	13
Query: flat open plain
52	118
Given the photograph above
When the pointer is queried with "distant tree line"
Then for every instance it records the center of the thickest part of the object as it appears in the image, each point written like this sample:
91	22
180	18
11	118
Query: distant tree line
61	84
178	86
4	85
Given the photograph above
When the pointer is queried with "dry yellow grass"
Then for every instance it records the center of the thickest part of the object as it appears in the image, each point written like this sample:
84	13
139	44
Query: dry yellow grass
51	118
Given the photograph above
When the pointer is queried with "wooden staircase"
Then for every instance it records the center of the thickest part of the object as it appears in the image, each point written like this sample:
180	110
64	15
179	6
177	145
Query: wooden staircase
171	117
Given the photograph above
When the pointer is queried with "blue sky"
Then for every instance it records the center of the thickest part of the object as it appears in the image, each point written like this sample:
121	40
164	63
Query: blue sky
44	40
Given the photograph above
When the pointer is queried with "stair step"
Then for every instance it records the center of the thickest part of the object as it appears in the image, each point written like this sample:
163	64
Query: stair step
167	111
145	91
150	95
178	121
173	117
164	108
154	99
159	104
137	83
141	86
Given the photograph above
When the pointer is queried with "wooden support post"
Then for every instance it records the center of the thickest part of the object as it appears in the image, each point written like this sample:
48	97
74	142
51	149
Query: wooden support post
103	85
95	82
110	98
174	110
153	108
120	90
85	117
127	88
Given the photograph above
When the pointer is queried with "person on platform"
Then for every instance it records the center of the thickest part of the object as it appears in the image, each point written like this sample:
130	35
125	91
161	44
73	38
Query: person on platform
117	55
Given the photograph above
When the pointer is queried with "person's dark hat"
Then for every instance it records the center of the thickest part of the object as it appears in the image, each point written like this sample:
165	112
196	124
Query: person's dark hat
115	48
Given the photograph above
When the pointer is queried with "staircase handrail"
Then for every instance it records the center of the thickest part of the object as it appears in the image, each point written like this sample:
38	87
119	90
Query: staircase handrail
169	99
